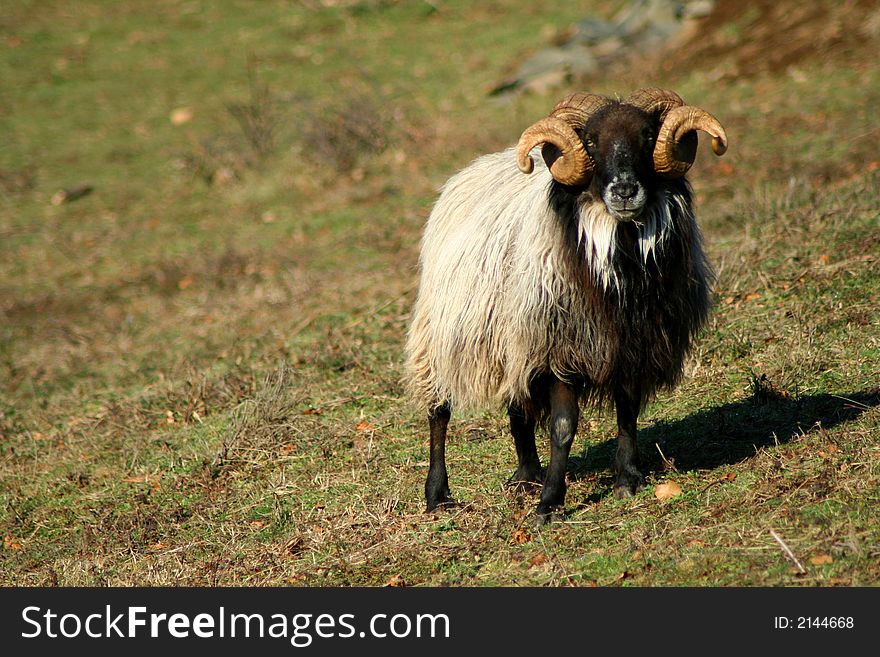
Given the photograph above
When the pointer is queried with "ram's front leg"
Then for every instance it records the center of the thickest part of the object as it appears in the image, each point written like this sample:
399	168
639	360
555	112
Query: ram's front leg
437	484
563	426
628	479
522	427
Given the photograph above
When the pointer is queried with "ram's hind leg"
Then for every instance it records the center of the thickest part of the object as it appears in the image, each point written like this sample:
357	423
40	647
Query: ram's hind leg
628	479
522	427
437	484
563	426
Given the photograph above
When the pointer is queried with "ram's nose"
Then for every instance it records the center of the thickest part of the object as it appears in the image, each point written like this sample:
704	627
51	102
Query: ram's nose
624	190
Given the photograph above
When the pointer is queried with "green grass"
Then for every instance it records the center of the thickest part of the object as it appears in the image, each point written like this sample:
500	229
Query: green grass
200	360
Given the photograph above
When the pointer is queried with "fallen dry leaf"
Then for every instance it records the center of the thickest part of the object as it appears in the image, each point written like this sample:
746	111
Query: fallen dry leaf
538	560
10	543
667	490
363	425
181	115
395	580
821	559
521	536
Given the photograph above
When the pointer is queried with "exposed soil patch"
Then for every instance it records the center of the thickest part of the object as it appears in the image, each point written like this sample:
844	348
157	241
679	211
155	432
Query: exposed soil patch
743	38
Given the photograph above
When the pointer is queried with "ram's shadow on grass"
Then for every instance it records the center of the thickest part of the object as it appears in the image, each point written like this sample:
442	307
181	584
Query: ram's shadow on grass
730	433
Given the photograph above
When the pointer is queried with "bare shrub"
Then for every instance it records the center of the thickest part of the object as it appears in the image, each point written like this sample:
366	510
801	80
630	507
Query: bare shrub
226	156
340	135
359	122
262	424
336	131
14	181
258	117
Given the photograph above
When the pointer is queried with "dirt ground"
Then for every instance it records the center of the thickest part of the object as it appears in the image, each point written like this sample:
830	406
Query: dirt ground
744	38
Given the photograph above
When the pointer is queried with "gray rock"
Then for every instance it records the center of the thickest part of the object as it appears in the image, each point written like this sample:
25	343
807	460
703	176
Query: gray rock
640	26
574	57
591	30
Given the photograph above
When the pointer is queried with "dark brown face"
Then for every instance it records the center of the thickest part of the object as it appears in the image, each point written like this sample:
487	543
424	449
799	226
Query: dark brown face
620	140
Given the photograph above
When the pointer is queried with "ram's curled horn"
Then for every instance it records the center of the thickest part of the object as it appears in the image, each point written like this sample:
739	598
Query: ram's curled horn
572	164
563	150
577	108
676	146
656	100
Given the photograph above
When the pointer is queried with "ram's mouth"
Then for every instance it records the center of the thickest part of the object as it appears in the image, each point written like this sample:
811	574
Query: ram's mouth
625	210
625	217
624	202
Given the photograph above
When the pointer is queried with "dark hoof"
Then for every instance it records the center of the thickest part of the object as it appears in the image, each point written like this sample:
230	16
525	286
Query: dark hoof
546	516
623	492
520	484
520	488
441	504
528	474
628	484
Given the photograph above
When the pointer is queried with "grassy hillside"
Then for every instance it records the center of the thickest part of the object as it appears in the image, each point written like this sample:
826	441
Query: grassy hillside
200	358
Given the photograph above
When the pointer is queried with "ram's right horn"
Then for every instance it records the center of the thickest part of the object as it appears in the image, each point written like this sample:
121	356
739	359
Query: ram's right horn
676	146
563	150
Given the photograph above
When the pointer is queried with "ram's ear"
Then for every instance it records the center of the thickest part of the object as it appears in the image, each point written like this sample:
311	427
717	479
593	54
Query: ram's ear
676	146
686	148
562	149
550	153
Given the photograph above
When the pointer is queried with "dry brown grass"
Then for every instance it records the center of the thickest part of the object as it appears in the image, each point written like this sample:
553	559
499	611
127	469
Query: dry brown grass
199	383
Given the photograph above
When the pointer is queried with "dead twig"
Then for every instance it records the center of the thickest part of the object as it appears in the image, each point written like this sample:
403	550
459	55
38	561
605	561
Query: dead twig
71	194
788	552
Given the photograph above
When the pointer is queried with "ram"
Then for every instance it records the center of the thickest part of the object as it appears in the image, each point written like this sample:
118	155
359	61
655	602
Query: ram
576	279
